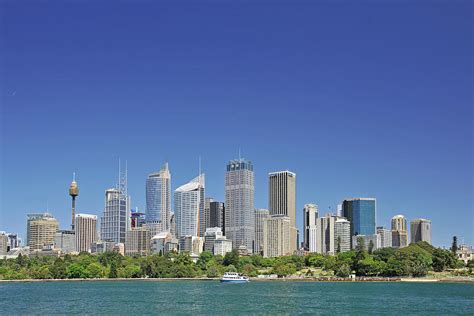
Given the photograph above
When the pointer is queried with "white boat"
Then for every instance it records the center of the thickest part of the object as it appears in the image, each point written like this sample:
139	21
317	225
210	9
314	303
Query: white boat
234	277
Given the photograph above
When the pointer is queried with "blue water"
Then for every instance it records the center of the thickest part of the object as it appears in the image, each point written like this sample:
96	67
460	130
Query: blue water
212	297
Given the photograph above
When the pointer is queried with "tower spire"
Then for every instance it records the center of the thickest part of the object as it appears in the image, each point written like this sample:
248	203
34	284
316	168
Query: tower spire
73	192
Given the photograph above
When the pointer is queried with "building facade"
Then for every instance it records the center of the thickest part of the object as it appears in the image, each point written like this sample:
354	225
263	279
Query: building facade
222	246
65	240
86	231
40	230
115	220
367	239
325	234
260	215
342	235
217	215
399	231
137	241
188	206
239	204
420	230
282	200
276	236
210	236
361	213
385	237
3	244
158	198
310	214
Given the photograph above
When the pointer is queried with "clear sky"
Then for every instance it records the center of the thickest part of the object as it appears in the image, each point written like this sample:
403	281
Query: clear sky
360	100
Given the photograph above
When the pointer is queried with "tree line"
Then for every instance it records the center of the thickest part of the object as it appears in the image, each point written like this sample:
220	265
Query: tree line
415	260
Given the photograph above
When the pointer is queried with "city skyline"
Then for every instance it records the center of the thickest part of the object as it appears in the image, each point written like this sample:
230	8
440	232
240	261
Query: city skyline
354	102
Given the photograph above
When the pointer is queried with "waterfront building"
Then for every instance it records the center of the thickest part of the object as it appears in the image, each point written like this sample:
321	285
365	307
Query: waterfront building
3	244
217	215
342	235
65	240
465	253
159	241
222	246
115	220
40	230
375	238
399	231
276	236
158	198
385	237
210	236
137	241
260	215
282	200
325	234
191	244
361	213
239	203
86	231
310	214
420	230
188	205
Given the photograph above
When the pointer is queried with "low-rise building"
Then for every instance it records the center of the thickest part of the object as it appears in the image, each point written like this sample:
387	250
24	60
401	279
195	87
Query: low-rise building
191	244
65	241
222	246
375	239
385	237
137	241
210	236
465	253
159	241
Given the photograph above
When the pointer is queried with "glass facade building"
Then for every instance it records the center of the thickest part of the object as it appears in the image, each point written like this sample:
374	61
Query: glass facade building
158	198
115	220
188	206
361	213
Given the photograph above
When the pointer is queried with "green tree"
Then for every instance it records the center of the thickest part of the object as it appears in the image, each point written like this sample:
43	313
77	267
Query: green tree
338	247
212	271
454	246
204	258
360	249
315	260
284	269
76	271
113	273
95	270
342	270
59	269
231	268
370	247
231	258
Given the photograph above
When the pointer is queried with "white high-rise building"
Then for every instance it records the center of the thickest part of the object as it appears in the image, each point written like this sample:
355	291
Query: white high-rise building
188	206
282	200
239	204
158	198
342	235
260	215
385	237
86	231
310	214
325	234
276	236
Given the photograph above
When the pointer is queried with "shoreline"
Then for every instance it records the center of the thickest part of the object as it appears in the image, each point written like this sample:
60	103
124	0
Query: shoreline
372	280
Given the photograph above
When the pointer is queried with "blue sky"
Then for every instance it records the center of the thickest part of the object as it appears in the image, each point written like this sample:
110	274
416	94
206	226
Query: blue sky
360	100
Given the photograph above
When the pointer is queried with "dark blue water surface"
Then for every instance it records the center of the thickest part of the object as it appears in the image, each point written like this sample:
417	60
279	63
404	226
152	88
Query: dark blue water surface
211	297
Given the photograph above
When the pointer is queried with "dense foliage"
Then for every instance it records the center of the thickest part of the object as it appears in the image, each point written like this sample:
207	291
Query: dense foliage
415	260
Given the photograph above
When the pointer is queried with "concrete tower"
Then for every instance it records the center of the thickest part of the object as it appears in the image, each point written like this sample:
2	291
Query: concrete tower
73	192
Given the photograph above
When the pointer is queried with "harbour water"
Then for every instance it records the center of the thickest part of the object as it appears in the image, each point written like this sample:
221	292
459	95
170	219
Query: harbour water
212	297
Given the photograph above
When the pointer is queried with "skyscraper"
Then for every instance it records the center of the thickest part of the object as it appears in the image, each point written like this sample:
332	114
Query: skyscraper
40	230
420	230
158	198
310	214
276	235
239	203
325	234
188	206
216	215
361	213
282	200
260	215
342	235
205	219
86	231
399	231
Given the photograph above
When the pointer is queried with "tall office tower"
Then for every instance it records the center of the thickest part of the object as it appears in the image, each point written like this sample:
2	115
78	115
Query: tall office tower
339	211
399	231
188	205
137	241
158	198
86	231
40	230
385	237
216	215
260	215
73	192
420	230
282	200
342	235
205	219
115	220
3	244
173	226
361	213
239	204
276	236
310	214
325	234
210	236
65	240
